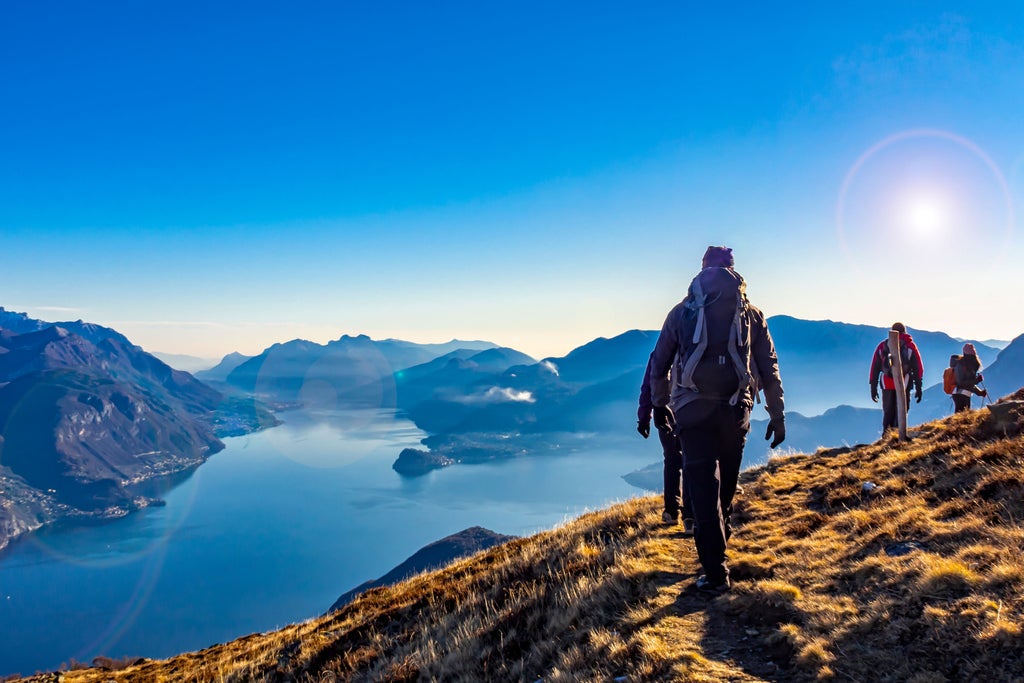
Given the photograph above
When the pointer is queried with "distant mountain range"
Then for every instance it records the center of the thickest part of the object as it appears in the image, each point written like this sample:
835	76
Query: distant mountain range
481	402
350	371
105	414
473	413
220	371
190	364
85	415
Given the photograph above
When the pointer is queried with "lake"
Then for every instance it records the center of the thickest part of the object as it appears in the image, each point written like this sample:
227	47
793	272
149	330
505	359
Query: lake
272	530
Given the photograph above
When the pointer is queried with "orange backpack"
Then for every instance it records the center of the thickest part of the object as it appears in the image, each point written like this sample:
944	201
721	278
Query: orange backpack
949	375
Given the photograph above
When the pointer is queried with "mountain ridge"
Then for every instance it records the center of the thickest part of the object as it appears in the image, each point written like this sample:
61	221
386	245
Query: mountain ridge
83	420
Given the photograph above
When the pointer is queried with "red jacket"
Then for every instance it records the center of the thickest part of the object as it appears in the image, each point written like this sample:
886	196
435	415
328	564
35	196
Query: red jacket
913	368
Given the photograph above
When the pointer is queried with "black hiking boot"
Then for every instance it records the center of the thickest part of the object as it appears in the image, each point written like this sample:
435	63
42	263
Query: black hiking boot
703	585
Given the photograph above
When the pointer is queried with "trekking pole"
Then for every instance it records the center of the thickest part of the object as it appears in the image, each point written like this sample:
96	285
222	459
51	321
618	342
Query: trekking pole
986	399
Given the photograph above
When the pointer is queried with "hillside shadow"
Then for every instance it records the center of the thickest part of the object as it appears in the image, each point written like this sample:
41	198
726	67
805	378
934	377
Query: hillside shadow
737	640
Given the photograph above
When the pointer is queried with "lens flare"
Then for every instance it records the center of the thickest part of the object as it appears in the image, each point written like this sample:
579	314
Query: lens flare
927	198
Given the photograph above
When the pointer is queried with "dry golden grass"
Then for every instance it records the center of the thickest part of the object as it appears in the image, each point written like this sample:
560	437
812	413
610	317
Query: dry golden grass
920	579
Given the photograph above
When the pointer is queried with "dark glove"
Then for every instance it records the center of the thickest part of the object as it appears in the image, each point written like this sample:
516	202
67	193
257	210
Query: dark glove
984	393
664	419
644	427
917	394
981	378
776	426
874	392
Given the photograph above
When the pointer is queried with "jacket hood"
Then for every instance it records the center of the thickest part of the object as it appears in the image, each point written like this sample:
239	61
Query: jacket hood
714	280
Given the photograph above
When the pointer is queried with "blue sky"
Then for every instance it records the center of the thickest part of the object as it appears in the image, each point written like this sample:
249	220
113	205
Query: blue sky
210	177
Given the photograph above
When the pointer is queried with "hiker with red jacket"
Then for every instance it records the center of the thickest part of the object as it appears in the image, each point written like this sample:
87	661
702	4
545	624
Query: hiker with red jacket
967	373
676	500
713	351
881	364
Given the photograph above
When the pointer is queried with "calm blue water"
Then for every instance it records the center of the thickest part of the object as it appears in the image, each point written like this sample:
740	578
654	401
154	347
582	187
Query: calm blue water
271	531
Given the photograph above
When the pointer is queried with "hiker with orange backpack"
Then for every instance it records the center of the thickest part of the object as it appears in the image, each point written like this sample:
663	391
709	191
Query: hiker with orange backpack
881	365
967	375
713	352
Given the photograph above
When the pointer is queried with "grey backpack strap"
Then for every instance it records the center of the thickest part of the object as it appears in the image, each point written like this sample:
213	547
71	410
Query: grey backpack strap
742	362
700	337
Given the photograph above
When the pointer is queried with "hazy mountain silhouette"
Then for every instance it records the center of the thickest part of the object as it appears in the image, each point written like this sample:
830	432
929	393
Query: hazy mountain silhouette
1007	371
220	371
355	371
456	377
181	361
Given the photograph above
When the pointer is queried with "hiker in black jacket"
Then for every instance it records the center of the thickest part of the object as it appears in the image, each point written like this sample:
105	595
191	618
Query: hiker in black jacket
967	372
713	351
676	499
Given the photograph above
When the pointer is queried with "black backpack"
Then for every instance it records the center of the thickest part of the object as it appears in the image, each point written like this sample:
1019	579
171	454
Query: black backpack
714	351
906	358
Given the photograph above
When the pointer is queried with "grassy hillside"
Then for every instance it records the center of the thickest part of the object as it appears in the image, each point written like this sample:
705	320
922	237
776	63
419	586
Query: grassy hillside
918	579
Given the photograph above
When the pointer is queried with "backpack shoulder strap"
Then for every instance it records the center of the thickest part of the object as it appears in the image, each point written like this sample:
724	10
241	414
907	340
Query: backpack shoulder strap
739	347
697	301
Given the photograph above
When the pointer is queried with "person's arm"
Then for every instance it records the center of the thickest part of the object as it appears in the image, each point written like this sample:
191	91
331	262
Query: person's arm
977	380
876	370
644	405
643	411
661	367
917	370
662	358
762	348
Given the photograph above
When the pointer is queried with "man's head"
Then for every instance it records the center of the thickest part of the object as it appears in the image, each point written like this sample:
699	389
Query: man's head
900	327
969	349
717	257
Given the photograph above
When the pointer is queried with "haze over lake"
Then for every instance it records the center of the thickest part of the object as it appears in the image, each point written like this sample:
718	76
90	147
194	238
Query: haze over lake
272	530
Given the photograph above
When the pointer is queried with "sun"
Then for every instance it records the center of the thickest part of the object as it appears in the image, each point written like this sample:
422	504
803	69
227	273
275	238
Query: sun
925	215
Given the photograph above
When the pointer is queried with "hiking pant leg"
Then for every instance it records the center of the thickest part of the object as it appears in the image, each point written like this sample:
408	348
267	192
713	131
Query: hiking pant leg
961	403
888	409
673	474
684	499
733	426
701	474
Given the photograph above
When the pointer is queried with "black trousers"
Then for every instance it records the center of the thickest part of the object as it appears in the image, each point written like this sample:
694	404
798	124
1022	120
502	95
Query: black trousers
889	408
961	402
712	436
674	497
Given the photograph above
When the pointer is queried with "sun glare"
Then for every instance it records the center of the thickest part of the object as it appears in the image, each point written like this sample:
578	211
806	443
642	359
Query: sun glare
925	216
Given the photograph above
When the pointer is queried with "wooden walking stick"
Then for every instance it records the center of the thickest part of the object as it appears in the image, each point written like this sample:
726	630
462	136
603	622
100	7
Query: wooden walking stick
897	378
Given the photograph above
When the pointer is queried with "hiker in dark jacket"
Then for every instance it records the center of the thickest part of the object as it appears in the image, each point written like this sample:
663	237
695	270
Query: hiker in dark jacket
913	372
713	350
676	499
967	372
